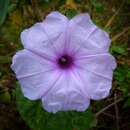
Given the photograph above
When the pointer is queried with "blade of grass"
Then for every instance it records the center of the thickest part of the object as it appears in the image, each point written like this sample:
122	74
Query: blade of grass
3	10
107	107
116	112
110	21
114	38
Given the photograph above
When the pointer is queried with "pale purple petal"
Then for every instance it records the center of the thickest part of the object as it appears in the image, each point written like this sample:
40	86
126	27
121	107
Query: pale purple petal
54	24
97	87
43	33
34	73
66	94
84	34
41	36
98	64
97	72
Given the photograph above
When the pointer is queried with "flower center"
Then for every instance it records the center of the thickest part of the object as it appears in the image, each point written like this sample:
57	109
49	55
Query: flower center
65	62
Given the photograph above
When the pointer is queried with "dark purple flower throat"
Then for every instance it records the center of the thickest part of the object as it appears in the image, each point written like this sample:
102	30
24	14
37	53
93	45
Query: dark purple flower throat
65	61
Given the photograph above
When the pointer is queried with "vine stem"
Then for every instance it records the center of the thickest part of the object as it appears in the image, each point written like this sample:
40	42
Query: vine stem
107	107
116	112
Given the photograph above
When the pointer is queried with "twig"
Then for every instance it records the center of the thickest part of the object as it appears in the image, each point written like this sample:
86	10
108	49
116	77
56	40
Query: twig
107	107
36	9
109	115
116	112
120	34
110	21
5	59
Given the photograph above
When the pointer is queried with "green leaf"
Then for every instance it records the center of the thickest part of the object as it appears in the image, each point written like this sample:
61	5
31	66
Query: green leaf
119	49
3	10
11	7
70	13
122	77
38	119
5	96
127	103
97	5
78	1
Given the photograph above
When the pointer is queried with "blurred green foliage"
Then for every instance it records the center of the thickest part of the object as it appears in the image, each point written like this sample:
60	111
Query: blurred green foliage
98	6
122	76
5	96
119	49
70	13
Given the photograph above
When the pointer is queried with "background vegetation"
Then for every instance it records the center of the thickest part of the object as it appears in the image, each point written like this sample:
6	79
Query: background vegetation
113	113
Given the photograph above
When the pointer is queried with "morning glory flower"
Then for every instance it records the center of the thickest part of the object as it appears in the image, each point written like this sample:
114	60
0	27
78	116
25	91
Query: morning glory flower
65	63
